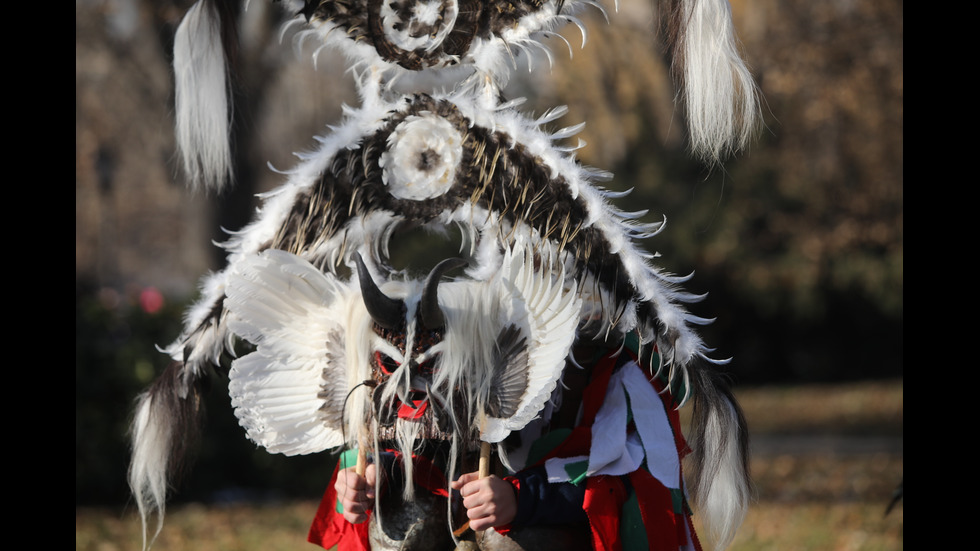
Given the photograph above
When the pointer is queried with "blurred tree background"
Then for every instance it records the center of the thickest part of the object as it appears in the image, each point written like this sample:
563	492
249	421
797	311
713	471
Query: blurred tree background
798	242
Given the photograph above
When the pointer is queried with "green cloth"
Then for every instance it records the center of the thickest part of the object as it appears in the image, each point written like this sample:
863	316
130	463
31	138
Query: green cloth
631	530
347	459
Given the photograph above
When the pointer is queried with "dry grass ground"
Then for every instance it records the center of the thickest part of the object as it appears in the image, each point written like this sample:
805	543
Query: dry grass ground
826	463
826	460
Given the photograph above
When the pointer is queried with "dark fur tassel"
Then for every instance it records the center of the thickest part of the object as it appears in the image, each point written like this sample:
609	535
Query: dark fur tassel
186	415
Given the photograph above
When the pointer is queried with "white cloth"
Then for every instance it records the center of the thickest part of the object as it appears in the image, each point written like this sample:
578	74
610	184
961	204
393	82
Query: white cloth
613	451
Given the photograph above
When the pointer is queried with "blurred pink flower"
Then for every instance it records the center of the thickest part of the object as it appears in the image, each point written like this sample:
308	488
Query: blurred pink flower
151	300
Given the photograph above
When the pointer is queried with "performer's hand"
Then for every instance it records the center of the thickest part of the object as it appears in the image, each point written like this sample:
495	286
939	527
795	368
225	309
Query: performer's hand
489	501
356	493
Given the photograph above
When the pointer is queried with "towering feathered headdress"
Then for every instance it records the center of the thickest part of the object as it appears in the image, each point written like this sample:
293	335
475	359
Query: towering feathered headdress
449	40
547	257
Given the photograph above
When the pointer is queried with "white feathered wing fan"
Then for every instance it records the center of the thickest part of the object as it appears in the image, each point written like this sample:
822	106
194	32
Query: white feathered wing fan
289	393
539	312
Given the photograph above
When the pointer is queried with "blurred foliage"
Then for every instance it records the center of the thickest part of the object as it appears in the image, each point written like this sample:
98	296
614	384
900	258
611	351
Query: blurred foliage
114	360
798	241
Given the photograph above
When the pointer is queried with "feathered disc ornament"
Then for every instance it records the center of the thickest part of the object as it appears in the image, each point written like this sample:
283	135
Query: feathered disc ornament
409	36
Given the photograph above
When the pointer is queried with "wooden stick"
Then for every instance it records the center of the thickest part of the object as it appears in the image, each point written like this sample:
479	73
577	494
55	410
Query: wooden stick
484	459
361	459
361	465
484	462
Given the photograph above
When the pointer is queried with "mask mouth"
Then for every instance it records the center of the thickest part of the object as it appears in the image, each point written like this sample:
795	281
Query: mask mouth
415	408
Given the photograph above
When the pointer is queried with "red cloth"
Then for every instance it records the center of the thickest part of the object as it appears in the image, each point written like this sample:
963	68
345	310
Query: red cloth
665	531
604	498
330	528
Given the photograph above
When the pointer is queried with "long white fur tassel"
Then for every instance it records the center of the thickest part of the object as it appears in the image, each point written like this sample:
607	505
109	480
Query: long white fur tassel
202	106
165	425
721	98
148	470
720	485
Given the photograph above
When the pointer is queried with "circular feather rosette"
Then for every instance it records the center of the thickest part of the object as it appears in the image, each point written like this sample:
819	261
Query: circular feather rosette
416	35
422	157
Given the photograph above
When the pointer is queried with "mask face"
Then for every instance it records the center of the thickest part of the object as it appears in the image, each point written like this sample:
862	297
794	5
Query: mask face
405	356
391	364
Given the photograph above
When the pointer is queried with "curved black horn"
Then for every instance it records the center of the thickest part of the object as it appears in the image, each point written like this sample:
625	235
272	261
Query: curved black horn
429	303
387	312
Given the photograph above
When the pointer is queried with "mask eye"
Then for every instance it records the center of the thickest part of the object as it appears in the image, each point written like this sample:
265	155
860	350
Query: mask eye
426	368
385	363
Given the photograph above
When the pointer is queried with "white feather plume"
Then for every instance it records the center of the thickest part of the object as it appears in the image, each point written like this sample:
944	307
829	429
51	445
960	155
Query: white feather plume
203	121
721	97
